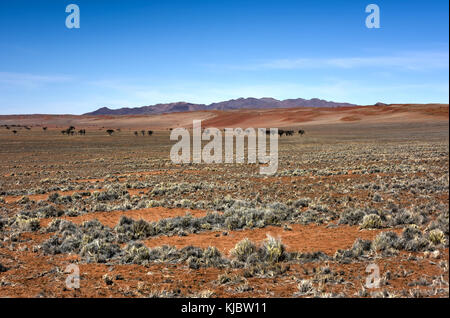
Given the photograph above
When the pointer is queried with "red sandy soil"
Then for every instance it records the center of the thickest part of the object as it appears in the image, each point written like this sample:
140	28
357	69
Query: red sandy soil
287	117
46	278
38	197
112	218
302	238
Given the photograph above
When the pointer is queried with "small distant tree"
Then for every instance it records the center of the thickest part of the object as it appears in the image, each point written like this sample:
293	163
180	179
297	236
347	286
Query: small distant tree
135	133
301	132
44	128
150	132
143	132
14	131
110	131
7	127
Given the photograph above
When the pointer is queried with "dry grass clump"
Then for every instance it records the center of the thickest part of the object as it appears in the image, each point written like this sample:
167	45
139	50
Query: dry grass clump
371	221
26	223
437	237
243	250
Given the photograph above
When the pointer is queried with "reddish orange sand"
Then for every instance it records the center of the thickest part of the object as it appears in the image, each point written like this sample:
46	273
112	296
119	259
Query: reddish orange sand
280	117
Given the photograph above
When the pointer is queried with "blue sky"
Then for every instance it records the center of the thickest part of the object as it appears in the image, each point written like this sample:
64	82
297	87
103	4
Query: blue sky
135	53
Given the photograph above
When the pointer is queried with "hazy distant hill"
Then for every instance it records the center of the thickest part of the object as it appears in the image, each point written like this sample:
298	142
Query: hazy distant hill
239	103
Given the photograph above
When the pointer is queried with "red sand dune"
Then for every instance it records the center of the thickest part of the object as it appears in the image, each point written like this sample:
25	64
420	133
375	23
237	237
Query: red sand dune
288	117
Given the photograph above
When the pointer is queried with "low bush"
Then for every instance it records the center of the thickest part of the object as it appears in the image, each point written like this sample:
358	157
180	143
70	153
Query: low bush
371	221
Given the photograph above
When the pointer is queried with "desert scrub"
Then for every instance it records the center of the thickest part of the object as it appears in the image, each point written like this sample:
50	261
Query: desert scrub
272	250
243	250
164	294
231	219
305	287
24	200
153	203
405	217
302	203
246	253
26	223
386	242
136	253
70	238
352	217
264	270
228	279
194	257
3	223
371	221
412	240
437	237
129	229
441	222
49	211
359	248
99	251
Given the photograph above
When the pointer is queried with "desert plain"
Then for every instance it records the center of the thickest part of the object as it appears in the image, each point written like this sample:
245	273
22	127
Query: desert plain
364	187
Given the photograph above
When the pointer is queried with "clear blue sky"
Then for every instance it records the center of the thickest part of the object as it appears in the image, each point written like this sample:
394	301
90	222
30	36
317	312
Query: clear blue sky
135	53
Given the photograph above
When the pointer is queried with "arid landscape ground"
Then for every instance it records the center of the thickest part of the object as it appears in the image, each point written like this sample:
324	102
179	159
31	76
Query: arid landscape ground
363	185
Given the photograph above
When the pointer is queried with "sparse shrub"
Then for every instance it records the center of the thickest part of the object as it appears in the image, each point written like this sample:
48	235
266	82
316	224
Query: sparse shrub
224	279
377	198
61	226
49	211
301	203
99	251
140	229
204	294
351	217
3	268
405	217
272	250
371	221
163	293
27	224
129	229
413	239
243	249
264	270
53	197
2	223
305	287
308	257
437	237
385	241
136	253
441	222
213	258
24	200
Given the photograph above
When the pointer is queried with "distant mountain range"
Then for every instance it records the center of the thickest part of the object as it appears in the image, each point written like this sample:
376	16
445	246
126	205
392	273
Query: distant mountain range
249	103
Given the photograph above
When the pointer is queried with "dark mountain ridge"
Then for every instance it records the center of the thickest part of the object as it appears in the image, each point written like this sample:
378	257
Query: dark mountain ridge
249	103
